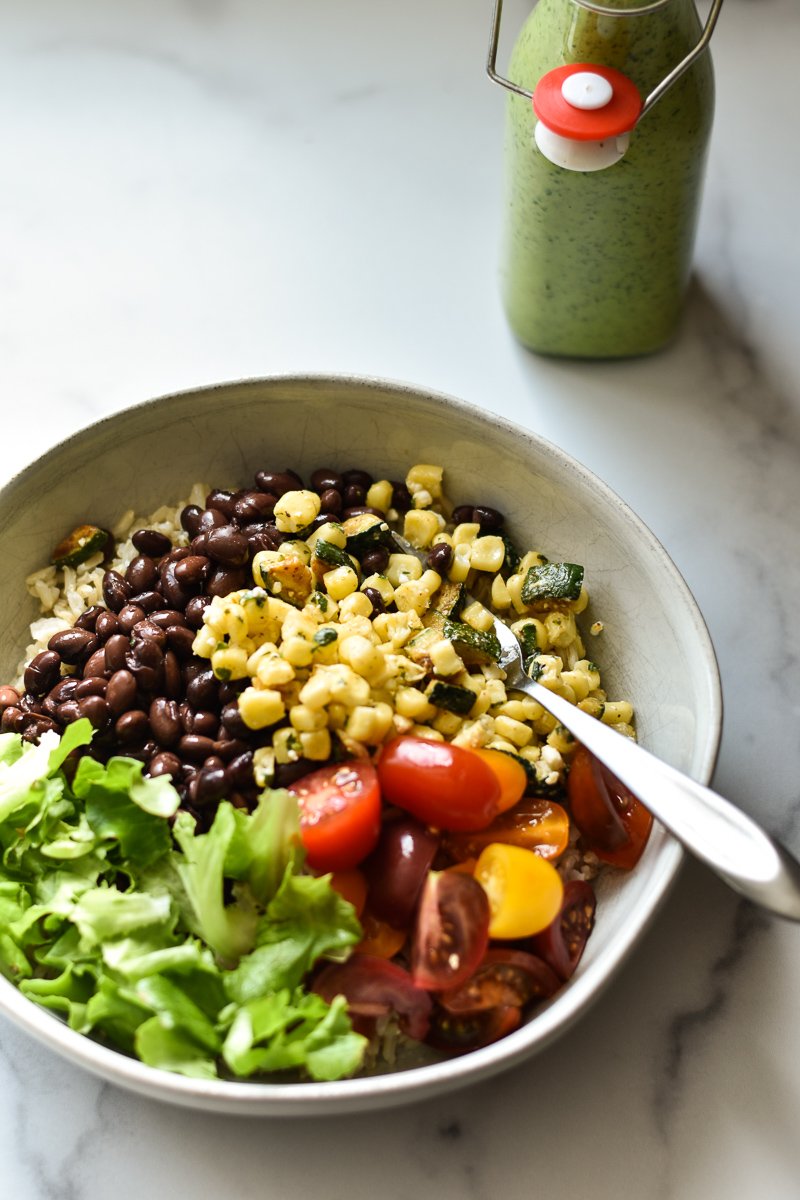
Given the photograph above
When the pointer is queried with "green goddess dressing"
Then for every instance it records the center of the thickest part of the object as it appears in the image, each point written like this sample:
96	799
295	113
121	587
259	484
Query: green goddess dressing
595	264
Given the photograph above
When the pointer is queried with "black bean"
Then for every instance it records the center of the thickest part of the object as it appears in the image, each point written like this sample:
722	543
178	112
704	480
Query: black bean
164	764
239	771
68	712
148	631
288	773
95	664
353	495
222	500
195	747
358	510
439	557
357	478
225	580
204	723
203	691
30	704
42	673
32	726
180	640
132	728
199	545
212	785
324	478
375	561
150	601
232	720
129	615
145	654
151	542
190	520
462	514
376	600
173	682
12	719
175	555
254	506
173	591
74	645
192	570
107	624
165	721
9	697
227	546
489	519
330	501
195	609
94	686
263	537
227	748
65	689
165	617
141	573
401	497
88	619
95	709
278	482
115	590
121	692
230	689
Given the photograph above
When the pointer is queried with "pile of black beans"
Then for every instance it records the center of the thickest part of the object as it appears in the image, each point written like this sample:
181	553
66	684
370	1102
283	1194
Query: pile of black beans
128	666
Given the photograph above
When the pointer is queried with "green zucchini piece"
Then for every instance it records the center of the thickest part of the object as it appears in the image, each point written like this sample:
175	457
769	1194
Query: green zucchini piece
332	556
472	645
553	581
512	557
450	599
364	532
450	696
79	545
535	785
419	647
526	636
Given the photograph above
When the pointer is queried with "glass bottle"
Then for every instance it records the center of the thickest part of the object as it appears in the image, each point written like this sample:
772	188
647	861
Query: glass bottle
595	263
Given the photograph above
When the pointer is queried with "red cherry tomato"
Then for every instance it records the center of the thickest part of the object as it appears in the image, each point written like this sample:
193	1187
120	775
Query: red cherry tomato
457	1033
452	930
442	785
340	814
505	978
562	943
374	987
614	823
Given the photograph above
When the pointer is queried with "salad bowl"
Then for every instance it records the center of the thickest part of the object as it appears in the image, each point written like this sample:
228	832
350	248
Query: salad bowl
654	647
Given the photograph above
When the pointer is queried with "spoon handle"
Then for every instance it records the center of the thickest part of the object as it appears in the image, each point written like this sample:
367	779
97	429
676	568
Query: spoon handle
711	828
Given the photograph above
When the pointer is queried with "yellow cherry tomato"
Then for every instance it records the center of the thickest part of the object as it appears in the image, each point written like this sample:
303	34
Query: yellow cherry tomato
380	939
511	775
525	890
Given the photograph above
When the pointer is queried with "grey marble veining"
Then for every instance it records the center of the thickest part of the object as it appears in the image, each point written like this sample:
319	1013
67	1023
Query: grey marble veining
196	190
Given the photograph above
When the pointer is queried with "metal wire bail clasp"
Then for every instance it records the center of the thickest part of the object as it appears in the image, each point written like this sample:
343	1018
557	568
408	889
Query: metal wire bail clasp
605	10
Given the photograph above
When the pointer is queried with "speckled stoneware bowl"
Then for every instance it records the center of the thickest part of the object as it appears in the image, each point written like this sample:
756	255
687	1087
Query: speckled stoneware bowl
655	648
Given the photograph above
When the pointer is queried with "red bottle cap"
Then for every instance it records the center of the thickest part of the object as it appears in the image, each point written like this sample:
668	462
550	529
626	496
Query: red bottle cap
603	103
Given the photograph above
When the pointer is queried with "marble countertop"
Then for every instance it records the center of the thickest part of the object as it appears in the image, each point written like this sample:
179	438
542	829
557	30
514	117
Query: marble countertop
199	190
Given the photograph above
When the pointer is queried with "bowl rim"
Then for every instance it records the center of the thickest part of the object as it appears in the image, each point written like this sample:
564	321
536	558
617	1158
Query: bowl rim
425	1081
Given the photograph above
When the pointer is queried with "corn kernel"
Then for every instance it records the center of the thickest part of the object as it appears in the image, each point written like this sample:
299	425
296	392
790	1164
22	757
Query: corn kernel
295	510
500	595
488	553
307	720
230	663
381	585
286	745
402	568
412	703
420	526
379	495
316	746
330	532
264	765
513	731
365	658
532	559
478	617
447	723
466	533
205	642
444	658
369	725
425	477
297	651
459	563
340	582
355	605
260	707
561	629
616	712
580	604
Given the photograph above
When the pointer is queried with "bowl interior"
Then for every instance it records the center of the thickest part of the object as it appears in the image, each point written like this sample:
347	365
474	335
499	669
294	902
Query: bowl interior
654	648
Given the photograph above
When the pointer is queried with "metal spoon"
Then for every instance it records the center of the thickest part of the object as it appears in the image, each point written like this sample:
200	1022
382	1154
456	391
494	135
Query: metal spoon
743	854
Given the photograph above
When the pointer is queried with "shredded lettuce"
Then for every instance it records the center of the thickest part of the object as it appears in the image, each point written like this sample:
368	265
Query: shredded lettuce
191	950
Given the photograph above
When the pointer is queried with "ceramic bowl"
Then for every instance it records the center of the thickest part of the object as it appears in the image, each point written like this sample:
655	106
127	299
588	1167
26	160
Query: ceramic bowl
654	650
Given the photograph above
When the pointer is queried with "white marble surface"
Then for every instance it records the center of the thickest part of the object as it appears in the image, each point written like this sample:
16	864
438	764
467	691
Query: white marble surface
196	190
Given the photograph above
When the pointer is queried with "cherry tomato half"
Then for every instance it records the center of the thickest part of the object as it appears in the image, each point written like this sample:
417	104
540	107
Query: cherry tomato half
459	1032
442	785
562	943
505	978
535	824
340	814
524	890
452	930
614	823
374	987
511	775
397	869
380	939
